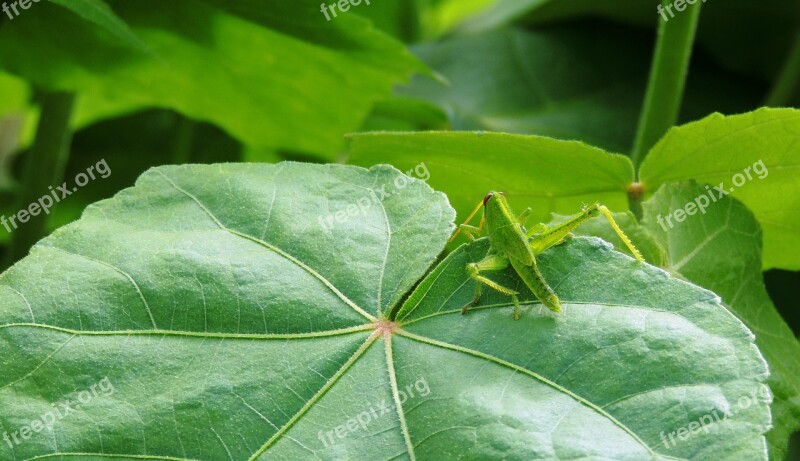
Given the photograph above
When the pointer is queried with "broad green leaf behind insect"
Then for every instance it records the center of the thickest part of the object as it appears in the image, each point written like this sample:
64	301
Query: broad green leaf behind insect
754	158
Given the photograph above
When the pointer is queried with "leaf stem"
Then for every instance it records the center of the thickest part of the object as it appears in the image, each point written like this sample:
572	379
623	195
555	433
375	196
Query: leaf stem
662	103
787	82
44	168
635	195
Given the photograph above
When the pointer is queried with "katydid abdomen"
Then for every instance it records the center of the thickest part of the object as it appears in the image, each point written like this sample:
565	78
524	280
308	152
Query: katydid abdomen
535	282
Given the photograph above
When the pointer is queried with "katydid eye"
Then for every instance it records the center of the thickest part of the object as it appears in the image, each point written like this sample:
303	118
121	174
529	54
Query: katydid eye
486	199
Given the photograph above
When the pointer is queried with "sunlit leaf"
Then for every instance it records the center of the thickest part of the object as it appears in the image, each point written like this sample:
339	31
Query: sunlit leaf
240	312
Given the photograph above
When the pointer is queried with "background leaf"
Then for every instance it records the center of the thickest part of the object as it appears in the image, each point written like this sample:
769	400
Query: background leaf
534	82
536	171
717	149
741	35
515	81
405	114
290	98
101	14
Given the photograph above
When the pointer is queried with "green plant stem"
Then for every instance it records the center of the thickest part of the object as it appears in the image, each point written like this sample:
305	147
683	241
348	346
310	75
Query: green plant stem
410	19
44	168
635	195
667	77
182	143
787	81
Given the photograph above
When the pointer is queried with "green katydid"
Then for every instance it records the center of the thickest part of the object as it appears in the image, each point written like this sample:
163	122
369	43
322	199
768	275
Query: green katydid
510	243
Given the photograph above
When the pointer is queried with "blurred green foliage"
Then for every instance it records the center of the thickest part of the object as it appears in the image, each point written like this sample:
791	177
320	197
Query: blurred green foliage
460	85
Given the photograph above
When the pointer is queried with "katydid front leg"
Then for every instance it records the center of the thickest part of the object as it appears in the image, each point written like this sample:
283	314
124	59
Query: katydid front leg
490	263
537	229
470	231
524	216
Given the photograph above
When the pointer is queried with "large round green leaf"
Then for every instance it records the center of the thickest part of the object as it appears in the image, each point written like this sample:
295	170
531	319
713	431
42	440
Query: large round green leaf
227	312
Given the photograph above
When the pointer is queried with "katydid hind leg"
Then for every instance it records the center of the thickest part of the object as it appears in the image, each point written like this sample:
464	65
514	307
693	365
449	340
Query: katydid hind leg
564	240
560	233
537	229
625	239
515	300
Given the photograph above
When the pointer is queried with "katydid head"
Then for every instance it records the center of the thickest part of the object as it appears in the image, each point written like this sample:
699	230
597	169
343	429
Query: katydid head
494	202
496	211
501	198
490	195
